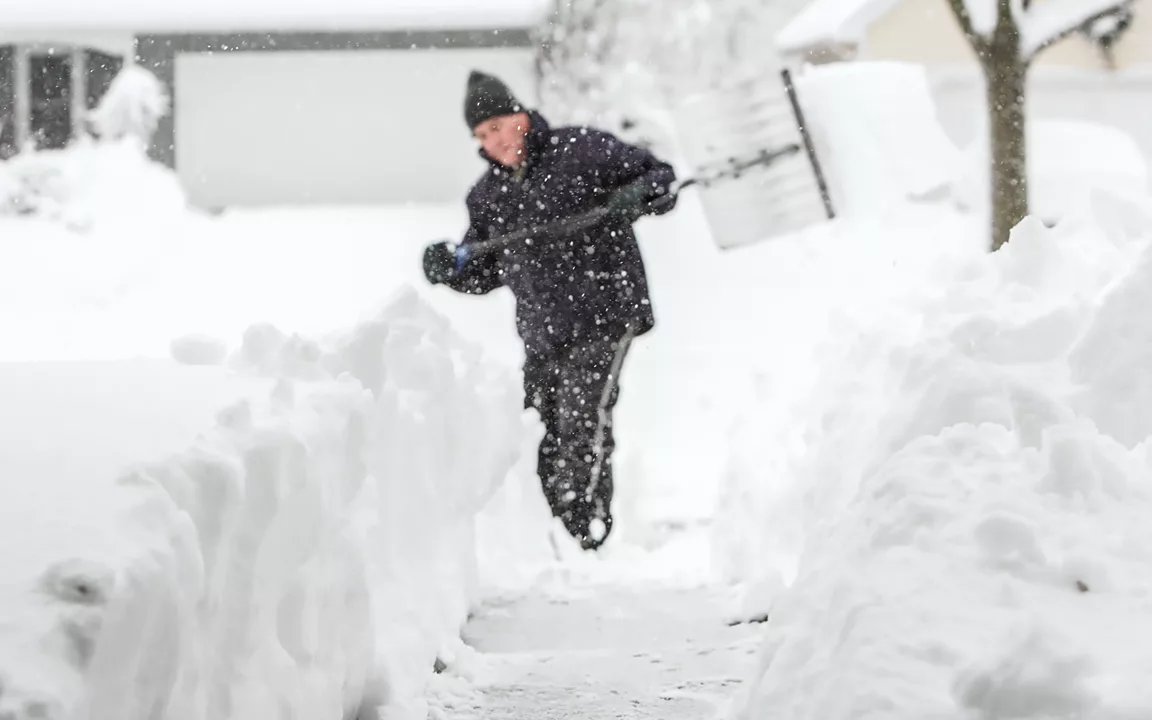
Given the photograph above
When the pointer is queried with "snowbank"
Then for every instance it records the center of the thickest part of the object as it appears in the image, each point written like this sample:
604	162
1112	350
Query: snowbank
112	184
312	550
449	428
1066	160
171	588
834	281
967	525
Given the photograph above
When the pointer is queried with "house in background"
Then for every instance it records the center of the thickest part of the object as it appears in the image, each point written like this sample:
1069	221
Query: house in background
1072	80
48	81
925	31
274	102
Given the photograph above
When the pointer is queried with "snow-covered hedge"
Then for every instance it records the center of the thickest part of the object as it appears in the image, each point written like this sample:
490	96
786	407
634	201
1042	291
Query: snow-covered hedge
970	490
309	553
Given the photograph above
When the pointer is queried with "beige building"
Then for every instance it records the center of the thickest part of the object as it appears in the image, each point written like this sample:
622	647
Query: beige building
1071	81
925	31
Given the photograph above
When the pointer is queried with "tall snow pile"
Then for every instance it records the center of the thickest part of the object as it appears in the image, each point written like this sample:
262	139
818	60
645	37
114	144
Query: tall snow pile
876	133
309	555
971	493
445	430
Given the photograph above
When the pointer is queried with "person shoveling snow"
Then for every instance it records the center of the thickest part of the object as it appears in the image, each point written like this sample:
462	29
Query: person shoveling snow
580	284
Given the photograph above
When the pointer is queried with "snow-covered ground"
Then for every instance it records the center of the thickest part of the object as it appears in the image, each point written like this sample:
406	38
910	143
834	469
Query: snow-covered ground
653	653
256	468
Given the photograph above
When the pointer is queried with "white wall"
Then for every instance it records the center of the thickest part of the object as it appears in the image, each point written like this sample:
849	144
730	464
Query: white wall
361	127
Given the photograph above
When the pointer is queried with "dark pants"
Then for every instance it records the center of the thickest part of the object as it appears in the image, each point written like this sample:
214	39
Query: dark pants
575	392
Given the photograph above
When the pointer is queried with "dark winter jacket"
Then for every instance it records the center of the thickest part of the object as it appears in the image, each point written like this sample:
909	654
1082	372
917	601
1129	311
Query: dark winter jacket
575	285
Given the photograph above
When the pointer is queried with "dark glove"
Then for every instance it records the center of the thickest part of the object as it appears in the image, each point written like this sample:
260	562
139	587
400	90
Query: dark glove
442	261
629	203
439	262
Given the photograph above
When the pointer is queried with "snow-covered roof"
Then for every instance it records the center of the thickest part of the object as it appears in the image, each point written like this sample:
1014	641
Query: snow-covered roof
176	16
831	21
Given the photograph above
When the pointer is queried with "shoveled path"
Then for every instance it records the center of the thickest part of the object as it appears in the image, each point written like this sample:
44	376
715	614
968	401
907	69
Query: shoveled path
609	653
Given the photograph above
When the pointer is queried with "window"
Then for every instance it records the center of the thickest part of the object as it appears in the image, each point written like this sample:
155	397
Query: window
101	69
7	101
46	90
50	80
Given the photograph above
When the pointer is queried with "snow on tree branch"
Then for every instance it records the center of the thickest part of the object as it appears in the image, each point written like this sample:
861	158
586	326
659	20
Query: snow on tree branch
1047	23
976	32
981	14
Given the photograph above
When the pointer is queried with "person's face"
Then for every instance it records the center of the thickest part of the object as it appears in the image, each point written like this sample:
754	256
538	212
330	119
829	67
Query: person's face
502	138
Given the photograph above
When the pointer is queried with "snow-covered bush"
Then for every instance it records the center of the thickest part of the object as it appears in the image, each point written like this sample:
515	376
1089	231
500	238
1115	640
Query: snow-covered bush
309	555
109	179
132	108
968	503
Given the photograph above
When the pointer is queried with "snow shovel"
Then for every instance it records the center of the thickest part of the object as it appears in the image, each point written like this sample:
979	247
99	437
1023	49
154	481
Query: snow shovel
593	217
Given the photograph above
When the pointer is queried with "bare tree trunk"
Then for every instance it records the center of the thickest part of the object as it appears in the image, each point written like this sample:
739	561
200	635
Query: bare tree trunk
1008	149
1005	61
1005	78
